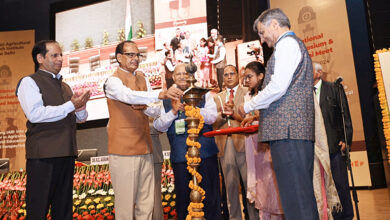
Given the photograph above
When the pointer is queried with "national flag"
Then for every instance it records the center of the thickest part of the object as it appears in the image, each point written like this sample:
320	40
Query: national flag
128	26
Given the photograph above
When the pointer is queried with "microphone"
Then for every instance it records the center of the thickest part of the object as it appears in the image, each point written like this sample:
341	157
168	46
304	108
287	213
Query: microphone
338	80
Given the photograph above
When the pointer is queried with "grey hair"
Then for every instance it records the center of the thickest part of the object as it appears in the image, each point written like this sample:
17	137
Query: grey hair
317	66
269	14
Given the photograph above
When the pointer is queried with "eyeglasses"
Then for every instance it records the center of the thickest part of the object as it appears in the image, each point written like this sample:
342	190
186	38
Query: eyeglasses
132	55
248	77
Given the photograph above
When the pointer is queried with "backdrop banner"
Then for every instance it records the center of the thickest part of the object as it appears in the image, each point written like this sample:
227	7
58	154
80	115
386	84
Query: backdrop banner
188	15
15	62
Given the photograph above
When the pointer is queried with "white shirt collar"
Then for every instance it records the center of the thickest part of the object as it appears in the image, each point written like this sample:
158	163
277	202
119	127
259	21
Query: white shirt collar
282	35
318	84
235	89
126	70
57	76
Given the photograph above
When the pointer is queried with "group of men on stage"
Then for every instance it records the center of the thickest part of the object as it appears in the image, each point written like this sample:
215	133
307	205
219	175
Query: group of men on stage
286	122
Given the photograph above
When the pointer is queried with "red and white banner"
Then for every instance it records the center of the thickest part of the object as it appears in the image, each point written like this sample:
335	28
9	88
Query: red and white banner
188	15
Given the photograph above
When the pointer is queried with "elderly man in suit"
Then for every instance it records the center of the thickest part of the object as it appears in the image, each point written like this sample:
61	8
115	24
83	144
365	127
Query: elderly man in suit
232	147
328	96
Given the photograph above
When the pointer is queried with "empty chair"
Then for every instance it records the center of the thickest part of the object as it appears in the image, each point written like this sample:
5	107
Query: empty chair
113	60
94	62
74	63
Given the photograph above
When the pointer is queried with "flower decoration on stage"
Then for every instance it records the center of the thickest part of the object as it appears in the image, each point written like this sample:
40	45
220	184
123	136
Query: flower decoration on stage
75	45
141	32
88	43
121	35
12	195
93	195
194	112
168	195
106	38
382	99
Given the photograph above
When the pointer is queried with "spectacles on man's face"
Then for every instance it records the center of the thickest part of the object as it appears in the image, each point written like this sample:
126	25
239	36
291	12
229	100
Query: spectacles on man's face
132	55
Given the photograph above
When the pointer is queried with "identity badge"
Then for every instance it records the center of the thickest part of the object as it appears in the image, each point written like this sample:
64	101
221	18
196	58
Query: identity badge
180	126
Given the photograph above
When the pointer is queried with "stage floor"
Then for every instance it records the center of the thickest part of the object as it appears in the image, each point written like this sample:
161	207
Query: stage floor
374	204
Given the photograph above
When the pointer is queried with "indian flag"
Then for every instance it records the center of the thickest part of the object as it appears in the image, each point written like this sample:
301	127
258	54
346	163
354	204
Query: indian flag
128	27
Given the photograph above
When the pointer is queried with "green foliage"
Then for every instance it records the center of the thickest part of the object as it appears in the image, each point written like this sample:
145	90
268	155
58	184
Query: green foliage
88	43
121	35
106	38
141	32
75	45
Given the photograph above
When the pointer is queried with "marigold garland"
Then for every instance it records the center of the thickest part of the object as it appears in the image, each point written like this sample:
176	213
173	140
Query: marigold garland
194	112
383	100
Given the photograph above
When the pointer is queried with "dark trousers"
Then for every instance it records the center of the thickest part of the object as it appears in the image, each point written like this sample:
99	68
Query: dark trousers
293	164
340	177
224	206
49	184
210	183
220	77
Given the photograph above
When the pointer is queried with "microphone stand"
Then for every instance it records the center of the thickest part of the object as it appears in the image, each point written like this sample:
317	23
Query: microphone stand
347	154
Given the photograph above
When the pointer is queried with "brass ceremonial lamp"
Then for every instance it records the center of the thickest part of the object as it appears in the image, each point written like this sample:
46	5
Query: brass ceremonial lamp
192	96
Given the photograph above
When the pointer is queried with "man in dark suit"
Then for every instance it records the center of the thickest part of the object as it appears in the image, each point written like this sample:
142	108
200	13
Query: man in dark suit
52	111
328	96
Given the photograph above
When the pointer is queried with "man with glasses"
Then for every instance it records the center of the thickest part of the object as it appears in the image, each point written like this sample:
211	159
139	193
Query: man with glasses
286	106
171	120
129	140
52	111
232	147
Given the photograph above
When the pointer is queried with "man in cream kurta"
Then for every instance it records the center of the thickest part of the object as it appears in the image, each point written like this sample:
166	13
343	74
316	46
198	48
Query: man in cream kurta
129	141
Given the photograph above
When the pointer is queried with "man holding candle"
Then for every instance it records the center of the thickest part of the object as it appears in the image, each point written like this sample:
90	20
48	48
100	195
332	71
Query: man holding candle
232	147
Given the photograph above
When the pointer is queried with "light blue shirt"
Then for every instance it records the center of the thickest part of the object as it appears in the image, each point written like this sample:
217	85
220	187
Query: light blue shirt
209	113
31	101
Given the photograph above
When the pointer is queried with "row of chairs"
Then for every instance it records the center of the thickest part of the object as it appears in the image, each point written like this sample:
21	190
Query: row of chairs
94	62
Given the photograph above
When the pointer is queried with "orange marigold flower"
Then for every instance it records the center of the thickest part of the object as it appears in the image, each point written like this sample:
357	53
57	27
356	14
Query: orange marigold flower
167	209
